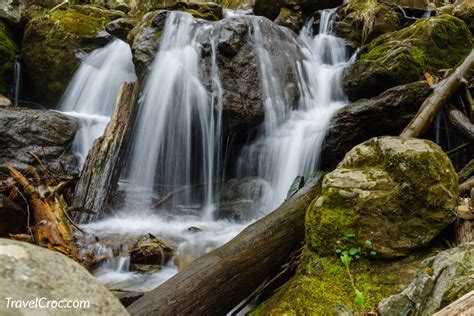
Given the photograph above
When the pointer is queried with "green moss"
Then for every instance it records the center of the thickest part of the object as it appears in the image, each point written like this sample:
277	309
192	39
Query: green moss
8	52
321	286
429	44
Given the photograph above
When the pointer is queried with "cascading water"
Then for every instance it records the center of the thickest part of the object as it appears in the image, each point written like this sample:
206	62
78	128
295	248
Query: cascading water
17	80
175	118
290	142
90	96
177	135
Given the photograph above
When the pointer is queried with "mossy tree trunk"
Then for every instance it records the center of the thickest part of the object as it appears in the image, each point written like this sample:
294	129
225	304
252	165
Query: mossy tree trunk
104	162
216	282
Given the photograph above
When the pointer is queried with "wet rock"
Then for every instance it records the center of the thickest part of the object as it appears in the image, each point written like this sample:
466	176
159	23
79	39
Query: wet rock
353	21
207	11
54	43
399	194
440	280
271	8
145	268
401	57
30	272
145	39
239	68
194	229
297	184
47	134
120	28
386	114
291	19
240	199
8	52
148	250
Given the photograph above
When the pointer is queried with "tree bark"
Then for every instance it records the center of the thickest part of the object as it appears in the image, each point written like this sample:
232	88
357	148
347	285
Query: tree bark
216	282
462	124
104	162
441	94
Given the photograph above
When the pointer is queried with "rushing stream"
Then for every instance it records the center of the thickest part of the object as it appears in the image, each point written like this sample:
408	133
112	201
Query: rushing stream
177	137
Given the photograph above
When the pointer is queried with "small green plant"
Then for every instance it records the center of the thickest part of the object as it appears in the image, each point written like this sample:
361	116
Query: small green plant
348	255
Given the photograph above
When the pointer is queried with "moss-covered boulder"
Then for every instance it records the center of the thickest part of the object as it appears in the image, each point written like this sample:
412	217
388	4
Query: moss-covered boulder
361	21
8	52
54	43
398	194
465	11
401	57
321	285
440	280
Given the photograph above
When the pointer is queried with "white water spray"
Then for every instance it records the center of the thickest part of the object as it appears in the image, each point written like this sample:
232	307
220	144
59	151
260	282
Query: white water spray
90	97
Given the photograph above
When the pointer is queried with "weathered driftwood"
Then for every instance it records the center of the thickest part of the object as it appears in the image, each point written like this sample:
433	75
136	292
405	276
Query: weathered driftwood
51	225
468	102
216	282
103	164
465	230
462	124
466	186
442	93
461	307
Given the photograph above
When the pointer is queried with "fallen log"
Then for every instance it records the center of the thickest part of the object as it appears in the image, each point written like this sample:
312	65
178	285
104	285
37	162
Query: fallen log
466	186
460	122
216	282
461	307
103	165
442	93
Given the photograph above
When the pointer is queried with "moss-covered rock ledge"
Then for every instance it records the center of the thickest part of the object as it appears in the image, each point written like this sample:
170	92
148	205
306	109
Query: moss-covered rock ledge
401	57
386	201
54	42
8	51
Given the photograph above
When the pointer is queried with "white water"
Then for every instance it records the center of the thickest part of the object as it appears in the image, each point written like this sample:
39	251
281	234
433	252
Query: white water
90	97
290	143
175	119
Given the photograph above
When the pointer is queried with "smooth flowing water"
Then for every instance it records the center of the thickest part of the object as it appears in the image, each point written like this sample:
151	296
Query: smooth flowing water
175	151
290	143
90	97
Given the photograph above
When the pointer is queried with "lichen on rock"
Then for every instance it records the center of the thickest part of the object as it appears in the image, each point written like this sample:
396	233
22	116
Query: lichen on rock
397	193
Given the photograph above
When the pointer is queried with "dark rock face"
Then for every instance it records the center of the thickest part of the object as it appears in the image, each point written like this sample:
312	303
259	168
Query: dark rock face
291	19
145	40
54	43
8	51
47	134
271	8
401	57
239	69
386	114
120	28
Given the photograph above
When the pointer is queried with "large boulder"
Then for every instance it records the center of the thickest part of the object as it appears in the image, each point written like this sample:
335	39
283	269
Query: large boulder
54	43
47	134
440	280
271	8
401	57
361	21
38	275
465	11
8	52
386	114
398	194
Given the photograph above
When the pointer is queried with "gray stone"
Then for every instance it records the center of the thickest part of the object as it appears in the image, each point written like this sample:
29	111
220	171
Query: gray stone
47	134
29	272
441	280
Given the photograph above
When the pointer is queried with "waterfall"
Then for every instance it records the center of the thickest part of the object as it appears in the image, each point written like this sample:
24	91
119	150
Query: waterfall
17	80
90	97
290	142
176	131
